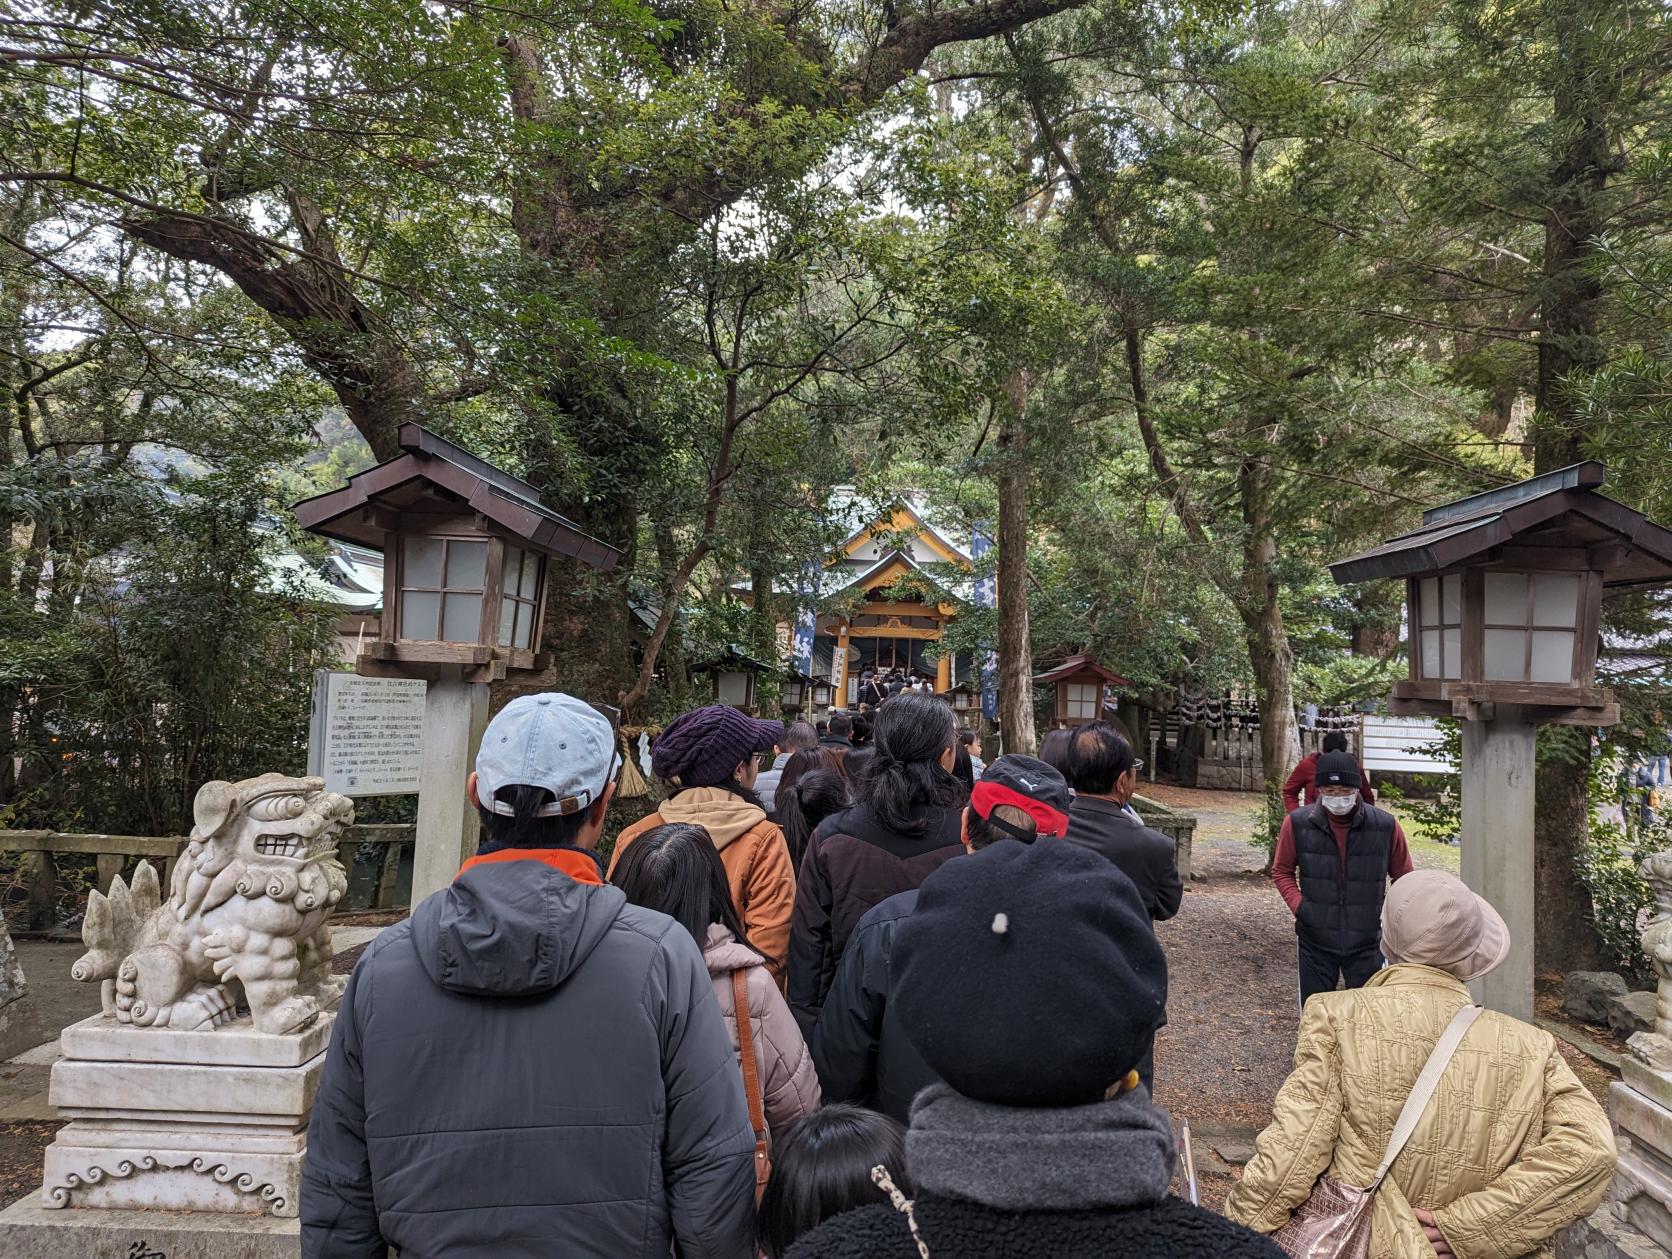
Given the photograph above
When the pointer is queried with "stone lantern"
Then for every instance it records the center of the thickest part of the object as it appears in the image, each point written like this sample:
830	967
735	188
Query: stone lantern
1503	599
1082	688
794	691
734	675
964	699
468	551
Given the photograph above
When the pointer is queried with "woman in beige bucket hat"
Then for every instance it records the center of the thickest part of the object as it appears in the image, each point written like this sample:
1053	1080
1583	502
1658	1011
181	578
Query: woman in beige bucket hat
1510	1149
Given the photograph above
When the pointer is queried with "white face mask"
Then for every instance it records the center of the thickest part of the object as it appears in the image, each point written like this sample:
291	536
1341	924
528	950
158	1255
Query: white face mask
1340	805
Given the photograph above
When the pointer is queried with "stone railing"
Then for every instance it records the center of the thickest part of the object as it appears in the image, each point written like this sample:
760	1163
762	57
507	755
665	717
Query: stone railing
111	852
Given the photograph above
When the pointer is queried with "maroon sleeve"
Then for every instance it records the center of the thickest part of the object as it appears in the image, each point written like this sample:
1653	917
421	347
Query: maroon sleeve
1283	866
1365	789
1399	855
1299	781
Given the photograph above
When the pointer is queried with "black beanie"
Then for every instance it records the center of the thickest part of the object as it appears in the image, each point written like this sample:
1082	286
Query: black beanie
1337	769
1029	975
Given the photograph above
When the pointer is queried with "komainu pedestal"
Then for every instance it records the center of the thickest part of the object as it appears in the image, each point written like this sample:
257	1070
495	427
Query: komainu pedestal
191	1091
183	1121
1640	1200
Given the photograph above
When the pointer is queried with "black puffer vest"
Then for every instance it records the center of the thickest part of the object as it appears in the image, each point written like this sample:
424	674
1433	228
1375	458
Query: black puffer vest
1342	910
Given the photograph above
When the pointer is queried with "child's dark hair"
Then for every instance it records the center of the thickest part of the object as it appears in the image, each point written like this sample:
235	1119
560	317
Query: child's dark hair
815	792
675	870
822	1167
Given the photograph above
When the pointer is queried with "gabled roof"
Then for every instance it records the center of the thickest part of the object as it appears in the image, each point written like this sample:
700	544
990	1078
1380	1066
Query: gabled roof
907	507
434	474
1558	509
868	579
733	657
1082	663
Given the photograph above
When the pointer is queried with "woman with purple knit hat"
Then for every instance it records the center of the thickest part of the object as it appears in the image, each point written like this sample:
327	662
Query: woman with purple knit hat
712	758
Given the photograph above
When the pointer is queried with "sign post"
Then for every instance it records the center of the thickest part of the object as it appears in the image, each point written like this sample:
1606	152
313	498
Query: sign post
1503	594
469	553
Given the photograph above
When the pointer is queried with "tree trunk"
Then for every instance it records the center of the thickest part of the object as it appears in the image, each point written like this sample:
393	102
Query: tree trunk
1016	724
1568	347
1269	653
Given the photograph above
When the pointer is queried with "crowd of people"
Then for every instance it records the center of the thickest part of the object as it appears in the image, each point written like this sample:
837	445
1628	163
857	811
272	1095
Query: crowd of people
851	992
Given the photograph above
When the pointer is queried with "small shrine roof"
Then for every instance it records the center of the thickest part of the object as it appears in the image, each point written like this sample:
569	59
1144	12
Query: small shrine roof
1082	663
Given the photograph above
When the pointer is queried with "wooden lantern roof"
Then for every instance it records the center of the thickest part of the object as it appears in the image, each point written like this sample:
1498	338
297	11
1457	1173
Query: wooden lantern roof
734	659
434	477
1560	509
1077	666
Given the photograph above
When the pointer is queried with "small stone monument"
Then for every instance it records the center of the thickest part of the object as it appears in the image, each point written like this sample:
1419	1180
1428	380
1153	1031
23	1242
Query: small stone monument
178	1099
1642	1102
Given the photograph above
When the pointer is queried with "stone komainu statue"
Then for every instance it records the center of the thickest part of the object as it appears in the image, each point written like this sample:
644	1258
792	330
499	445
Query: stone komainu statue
247	911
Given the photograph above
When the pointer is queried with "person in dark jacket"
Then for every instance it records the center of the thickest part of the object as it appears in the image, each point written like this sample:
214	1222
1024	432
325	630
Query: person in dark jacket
529	1065
904	823
1301	789
1100	766
859	1050
839	733
1030	980
1344	851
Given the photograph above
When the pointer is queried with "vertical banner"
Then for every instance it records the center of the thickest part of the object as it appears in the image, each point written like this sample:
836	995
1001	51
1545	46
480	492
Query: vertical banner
806	621
986	596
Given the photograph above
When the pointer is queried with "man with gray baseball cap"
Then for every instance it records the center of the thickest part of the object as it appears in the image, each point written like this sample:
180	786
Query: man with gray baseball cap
529	1065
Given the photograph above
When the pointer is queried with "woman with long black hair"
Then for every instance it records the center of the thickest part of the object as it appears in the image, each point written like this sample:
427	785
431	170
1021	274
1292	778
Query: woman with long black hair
813	787
905	821
675	870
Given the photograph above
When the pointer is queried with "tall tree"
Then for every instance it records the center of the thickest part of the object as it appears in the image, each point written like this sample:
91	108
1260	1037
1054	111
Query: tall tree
434	202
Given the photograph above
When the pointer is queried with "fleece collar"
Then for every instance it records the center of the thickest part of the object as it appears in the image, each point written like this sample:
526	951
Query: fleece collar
580	864
724	814
1118	1153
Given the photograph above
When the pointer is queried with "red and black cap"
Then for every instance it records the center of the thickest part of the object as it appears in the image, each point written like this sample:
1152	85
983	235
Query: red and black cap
1029	784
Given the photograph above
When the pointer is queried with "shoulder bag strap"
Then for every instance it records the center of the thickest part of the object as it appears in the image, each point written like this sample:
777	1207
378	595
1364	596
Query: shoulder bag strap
746	1053
1423	1091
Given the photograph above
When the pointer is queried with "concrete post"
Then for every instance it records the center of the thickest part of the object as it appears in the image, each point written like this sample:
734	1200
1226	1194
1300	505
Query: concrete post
1498	846
455	714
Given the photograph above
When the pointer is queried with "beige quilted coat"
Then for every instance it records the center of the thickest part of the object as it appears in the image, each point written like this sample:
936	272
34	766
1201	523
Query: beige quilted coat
789	1084
1511	1149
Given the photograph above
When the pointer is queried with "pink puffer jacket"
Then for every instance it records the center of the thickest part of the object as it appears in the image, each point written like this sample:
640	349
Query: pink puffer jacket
789	1086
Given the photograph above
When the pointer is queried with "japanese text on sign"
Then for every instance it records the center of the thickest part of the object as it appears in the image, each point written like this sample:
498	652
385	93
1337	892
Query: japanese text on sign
367	734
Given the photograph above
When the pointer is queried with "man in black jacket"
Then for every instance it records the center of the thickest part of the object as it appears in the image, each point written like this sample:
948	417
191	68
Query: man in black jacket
529	1065
1102	770
858	1049
840	731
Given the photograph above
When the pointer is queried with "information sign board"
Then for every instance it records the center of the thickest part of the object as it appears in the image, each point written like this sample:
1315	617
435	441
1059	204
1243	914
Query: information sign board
367	734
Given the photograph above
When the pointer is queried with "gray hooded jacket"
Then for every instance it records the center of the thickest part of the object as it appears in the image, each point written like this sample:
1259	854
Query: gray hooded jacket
529	1066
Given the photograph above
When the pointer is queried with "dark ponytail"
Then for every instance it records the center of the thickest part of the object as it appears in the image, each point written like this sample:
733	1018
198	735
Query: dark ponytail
904	777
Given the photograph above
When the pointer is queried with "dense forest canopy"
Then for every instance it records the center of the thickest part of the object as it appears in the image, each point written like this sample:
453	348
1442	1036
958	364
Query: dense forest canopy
1182	300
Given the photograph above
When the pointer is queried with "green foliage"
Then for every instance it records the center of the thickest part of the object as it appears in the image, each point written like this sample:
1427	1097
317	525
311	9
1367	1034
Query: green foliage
188	656
1270	820
1608	865
1440	811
